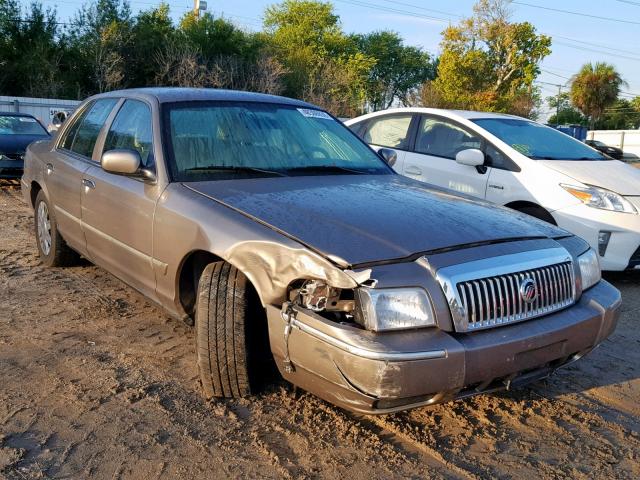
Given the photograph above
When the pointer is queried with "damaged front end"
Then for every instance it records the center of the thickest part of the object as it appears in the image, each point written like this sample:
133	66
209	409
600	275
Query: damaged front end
391	342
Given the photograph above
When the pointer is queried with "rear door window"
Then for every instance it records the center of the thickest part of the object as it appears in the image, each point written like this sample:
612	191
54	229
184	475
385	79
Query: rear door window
389	131
82	136
441	138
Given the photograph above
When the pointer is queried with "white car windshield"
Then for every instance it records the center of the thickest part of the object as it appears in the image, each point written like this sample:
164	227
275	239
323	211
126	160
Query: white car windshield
216	140
537	141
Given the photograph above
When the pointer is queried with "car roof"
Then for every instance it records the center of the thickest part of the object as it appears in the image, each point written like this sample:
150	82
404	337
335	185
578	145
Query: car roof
16	114
179	94
466	114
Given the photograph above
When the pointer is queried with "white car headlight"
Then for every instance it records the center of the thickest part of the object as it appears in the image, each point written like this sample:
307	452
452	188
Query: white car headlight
589	269
601	198
394	308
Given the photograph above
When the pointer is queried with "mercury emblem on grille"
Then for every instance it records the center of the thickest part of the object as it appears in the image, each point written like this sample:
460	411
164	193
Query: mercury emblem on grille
528	290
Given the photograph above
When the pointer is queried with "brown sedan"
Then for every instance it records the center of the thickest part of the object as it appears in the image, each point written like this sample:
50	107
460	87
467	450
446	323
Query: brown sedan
284	236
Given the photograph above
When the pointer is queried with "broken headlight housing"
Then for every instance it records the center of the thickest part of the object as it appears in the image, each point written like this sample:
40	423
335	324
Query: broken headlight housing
375	309
381	309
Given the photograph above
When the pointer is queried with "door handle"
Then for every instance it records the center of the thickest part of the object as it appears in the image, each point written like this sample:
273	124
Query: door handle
413	170
49	168
88	183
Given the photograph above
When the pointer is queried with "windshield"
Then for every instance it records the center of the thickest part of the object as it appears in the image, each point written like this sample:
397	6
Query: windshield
18	125
219	140
597	143
536	141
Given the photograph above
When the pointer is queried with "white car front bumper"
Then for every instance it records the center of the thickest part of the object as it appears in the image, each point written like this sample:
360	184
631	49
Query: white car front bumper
623	249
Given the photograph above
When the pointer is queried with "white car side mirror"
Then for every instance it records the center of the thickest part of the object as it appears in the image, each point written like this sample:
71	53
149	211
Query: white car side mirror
471	156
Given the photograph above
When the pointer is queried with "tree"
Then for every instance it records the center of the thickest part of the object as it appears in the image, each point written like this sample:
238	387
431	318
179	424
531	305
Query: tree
29	53
218	36
490	63
306	37
621	115
152	30
98	43
566	113
594	88
398	71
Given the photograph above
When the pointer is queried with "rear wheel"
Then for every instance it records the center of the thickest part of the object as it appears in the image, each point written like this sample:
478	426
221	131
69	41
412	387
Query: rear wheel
231	332
53	250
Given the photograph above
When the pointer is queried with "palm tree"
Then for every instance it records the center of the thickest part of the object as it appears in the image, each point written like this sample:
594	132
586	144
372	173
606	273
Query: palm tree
594	88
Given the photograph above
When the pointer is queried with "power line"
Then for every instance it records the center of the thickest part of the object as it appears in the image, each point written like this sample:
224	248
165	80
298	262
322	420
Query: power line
619	20
382	8
629	2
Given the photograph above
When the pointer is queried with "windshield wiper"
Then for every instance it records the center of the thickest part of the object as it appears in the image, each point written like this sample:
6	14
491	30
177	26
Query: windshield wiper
239	169
325	169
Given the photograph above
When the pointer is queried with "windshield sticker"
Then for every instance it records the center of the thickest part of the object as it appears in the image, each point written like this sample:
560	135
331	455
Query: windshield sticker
311	113
27	119
522	148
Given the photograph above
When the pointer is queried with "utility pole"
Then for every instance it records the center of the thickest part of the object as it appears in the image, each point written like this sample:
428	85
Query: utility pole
558	103
198	6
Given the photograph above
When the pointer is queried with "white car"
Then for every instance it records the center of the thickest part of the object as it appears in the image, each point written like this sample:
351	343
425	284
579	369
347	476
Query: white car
520	164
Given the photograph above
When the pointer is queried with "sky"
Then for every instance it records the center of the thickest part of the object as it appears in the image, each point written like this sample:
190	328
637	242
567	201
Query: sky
604	30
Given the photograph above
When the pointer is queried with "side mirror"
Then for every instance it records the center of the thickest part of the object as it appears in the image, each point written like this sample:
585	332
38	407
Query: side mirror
388	155
121	162
471	157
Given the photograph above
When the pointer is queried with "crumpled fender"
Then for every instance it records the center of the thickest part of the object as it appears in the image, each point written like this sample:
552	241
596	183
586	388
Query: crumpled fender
271	267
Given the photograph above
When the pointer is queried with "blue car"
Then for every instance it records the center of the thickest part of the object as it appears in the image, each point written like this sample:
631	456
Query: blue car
17	130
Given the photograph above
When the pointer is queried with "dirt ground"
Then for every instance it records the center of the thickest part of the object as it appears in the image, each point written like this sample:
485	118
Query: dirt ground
96	382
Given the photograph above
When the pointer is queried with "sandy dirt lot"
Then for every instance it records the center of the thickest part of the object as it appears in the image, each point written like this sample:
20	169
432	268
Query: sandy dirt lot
96	382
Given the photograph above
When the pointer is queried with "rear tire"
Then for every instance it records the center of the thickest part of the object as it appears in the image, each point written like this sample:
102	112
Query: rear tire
226	347
53	250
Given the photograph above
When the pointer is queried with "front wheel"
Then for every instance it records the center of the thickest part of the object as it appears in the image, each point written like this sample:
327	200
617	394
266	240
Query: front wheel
53	250
231	332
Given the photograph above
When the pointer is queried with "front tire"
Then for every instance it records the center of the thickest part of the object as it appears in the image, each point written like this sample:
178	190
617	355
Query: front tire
225	345
53	250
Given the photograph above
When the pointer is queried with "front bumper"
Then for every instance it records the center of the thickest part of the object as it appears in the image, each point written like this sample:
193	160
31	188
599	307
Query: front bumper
11	168
587	222
381	373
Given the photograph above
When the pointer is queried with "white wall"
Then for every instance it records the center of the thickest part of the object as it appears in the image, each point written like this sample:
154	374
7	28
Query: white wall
41	108
627	140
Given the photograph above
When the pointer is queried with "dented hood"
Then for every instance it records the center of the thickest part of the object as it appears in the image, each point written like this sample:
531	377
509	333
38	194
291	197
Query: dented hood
368	218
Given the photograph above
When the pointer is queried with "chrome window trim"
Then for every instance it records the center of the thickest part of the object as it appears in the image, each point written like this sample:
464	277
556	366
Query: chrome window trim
475	271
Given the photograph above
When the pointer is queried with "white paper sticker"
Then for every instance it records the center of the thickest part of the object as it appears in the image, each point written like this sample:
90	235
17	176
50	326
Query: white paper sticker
311	113
27	119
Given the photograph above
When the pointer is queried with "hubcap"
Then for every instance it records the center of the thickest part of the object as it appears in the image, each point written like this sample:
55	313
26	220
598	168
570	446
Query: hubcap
44	228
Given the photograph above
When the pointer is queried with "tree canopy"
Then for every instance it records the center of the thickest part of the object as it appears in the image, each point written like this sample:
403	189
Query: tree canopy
489	62
594	88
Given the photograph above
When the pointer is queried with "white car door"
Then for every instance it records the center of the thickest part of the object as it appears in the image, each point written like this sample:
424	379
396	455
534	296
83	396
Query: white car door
432	160
390	131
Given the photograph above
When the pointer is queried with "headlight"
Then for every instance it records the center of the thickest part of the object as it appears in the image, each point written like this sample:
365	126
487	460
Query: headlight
394	308
589	269
600	198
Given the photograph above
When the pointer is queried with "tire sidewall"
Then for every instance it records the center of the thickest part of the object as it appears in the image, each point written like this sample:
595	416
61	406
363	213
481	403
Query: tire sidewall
46	259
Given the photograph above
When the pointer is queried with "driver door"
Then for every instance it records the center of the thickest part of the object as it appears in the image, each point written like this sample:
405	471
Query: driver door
432	160
118	210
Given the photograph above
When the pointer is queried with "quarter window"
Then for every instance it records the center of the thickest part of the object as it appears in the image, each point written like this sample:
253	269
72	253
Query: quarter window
82	136
131	130
441	138
389	131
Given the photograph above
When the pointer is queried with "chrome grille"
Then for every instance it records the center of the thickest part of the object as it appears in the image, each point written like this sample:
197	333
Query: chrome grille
493	301
490	292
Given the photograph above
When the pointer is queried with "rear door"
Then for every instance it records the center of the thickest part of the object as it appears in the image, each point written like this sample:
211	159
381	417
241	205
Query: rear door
438	140
117	210
392	131
70	159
